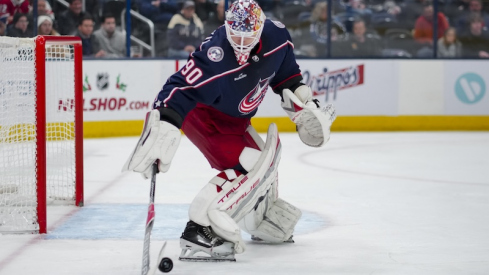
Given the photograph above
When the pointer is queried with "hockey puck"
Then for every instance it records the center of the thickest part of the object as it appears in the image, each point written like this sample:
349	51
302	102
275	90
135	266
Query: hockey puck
166	265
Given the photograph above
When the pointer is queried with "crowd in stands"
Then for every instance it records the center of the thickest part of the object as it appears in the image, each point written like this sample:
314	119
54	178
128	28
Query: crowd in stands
359	28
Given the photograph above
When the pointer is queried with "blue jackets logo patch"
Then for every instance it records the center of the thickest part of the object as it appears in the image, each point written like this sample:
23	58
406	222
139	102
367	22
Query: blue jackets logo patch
215	54
255	96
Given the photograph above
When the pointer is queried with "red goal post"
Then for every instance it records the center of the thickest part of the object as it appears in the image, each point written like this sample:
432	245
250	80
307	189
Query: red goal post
41	129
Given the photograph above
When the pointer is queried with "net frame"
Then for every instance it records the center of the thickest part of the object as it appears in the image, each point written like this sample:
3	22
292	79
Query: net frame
40	45
40	65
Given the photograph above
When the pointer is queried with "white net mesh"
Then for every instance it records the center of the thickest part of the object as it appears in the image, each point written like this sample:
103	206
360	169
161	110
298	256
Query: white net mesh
60	119
18	191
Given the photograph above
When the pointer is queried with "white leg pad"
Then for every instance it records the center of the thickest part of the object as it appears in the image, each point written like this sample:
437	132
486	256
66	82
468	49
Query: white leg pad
249	157
227	198
277	223
203	211
200	205
197	211
225	227
256	137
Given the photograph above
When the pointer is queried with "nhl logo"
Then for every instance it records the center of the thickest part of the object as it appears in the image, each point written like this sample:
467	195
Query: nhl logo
215	54
255	58
102	81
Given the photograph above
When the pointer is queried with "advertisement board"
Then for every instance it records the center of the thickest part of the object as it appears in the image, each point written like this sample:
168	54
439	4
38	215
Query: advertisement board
355	87
122	90
465	87
367	94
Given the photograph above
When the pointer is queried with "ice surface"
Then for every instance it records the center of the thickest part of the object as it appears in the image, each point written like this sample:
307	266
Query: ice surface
374	203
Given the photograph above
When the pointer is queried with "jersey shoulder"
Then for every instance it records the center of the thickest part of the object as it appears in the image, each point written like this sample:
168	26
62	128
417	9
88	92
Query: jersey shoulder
275	31
215	49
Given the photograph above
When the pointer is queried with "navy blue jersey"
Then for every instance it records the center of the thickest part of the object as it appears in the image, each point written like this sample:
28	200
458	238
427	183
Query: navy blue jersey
213	77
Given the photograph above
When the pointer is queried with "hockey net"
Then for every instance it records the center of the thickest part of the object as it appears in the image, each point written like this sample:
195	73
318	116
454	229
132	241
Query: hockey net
40	129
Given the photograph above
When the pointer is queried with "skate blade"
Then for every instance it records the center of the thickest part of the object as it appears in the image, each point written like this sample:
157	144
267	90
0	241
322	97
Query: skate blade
190	257
207	259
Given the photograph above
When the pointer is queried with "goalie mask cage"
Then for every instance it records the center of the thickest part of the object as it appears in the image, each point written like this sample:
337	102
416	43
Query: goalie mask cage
41	129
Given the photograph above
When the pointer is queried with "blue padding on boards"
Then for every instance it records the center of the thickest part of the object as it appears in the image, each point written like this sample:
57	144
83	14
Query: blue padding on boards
127	221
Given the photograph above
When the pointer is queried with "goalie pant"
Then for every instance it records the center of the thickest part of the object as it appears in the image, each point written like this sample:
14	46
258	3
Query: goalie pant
232	145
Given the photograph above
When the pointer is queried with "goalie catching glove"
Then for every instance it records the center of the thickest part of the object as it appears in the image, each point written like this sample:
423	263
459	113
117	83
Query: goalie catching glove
159	141
313	123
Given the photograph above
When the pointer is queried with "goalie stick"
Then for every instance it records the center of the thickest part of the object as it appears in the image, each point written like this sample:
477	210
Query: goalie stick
164	264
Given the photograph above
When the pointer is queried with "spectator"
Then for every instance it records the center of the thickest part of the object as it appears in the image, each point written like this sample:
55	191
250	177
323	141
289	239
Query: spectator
158	11
319	28
21	6
391	7
423	28
90	44
3	25
475	40
69	19
185	32
45	26
5	15
204	9
216	20
44	8
360	7
361	45
19	25
112	41
11	7
475	7
448	45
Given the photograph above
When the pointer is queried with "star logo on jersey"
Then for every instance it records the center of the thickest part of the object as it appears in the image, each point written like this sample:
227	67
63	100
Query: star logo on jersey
255	96
215	54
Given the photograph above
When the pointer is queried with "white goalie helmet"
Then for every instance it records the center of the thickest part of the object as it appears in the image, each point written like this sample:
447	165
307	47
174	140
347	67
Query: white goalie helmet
244	25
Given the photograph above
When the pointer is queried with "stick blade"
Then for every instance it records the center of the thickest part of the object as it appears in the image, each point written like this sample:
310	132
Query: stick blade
161	255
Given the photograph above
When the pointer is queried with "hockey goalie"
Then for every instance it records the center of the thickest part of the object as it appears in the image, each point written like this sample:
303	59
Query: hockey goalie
212	99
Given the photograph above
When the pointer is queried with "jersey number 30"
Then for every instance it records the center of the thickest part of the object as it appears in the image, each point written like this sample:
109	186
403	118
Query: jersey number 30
191	72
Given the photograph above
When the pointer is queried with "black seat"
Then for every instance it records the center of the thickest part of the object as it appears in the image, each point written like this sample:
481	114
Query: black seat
288	13
398	34
382	22
395	53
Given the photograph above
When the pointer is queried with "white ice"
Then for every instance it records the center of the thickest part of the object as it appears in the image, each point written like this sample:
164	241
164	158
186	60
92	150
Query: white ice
376	203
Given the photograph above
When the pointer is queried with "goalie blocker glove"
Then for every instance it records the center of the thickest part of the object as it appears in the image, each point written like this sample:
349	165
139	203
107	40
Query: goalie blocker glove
159	141
313	122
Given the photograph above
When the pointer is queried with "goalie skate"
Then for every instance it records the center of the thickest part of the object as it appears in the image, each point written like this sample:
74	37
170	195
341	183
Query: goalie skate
200	239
